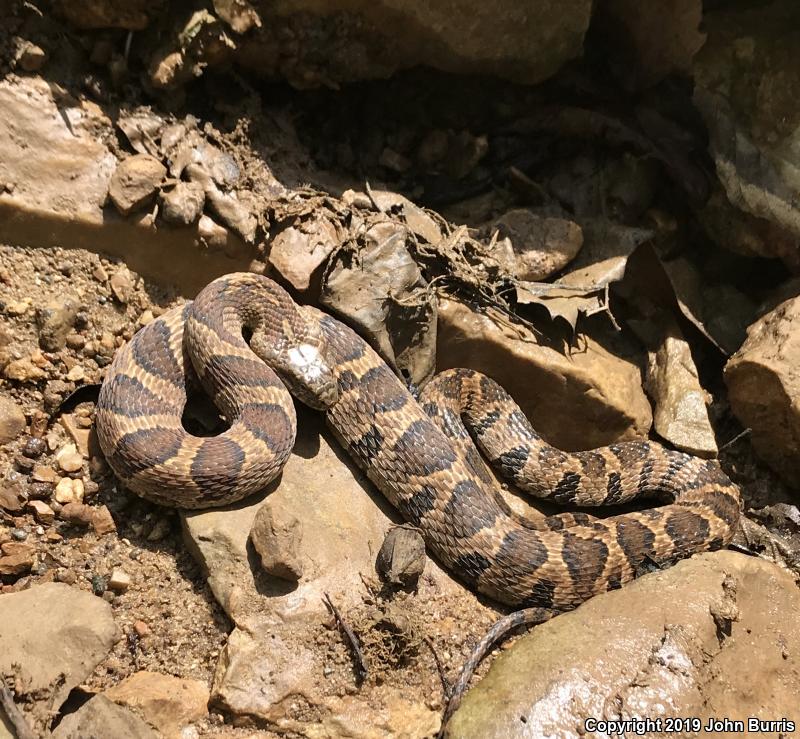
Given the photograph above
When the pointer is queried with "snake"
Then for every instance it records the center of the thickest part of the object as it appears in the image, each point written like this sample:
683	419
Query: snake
251	348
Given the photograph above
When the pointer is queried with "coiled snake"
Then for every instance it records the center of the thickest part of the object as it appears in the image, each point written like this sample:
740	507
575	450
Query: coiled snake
417	452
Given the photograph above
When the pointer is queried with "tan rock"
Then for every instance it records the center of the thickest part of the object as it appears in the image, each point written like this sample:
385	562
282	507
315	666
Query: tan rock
55	321
55	635
576	401
12	420
102	520
99	718
168	703
68	458
183	204
24	370
80	435
44	474
277	537
264	665
681	415
763	380
121	283
119	580
12	496
135	182
687	632
17	563
69	491
42	512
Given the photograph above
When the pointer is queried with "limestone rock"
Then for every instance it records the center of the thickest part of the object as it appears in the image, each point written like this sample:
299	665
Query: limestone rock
265	665
168	703
681	416
135	182
526	41
749	104
669	644
576	401
51	638
12	420
763	380
99	718
277	537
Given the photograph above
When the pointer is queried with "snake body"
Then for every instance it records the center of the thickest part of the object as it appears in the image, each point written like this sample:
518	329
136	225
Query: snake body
418	452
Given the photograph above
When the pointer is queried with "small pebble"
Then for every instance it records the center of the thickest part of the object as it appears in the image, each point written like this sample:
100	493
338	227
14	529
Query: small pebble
69	491
119	581
141	628
69	459
66	576
44	474
19	534
34	448
41	511
98	585
24	464
40	490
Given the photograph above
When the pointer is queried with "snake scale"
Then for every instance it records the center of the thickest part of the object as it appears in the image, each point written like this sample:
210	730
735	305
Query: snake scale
246	341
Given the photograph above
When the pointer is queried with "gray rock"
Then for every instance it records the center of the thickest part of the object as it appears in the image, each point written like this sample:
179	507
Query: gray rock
55	320
12	420
670	644
51	638
99	718
749	104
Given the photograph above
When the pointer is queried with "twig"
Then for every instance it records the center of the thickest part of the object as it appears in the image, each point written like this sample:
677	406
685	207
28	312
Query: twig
525	617
15	716
372	199
440	668
734	439
355	647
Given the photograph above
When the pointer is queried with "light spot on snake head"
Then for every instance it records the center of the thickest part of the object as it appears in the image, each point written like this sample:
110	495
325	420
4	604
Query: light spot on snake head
309	377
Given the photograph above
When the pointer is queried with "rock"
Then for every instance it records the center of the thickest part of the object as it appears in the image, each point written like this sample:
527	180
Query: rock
183	204
44	474
168	703
42	512
135	182
680	416
578	401
12	496
12	420
750	108
31	57
24	370
55	320
401	558
68	458
16	563
277	536
82	437
523	41
102	521
99	718
34	447
763	380
687	632
58	169
119	581
132	16
69	491
121	284
539	246
265	665
51	638
299	251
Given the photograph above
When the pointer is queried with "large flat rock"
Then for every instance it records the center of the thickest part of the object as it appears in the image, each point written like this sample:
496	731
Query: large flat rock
51	638
715	635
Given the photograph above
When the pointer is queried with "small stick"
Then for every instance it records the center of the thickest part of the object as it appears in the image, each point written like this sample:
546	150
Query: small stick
445	682
355	647
735	439
525	617
15	716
